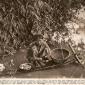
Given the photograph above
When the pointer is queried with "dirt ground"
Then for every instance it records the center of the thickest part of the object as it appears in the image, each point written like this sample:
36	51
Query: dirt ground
68	71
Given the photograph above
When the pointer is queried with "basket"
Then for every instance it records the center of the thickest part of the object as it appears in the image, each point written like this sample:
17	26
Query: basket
59	55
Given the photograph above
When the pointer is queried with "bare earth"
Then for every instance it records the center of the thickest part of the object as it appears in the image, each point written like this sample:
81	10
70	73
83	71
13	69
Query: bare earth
68	71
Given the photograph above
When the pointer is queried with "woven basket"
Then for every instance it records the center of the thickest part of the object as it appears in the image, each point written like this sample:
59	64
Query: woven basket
59	55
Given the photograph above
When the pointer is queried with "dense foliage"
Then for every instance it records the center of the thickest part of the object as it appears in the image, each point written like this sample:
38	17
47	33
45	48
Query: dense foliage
21	19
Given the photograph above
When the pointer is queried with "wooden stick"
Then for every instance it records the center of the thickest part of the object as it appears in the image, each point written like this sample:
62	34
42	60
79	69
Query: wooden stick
76	57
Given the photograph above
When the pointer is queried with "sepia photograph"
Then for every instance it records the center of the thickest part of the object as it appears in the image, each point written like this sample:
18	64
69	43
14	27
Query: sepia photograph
42	39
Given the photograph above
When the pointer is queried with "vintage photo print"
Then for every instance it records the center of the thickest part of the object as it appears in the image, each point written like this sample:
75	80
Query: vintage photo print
42	39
